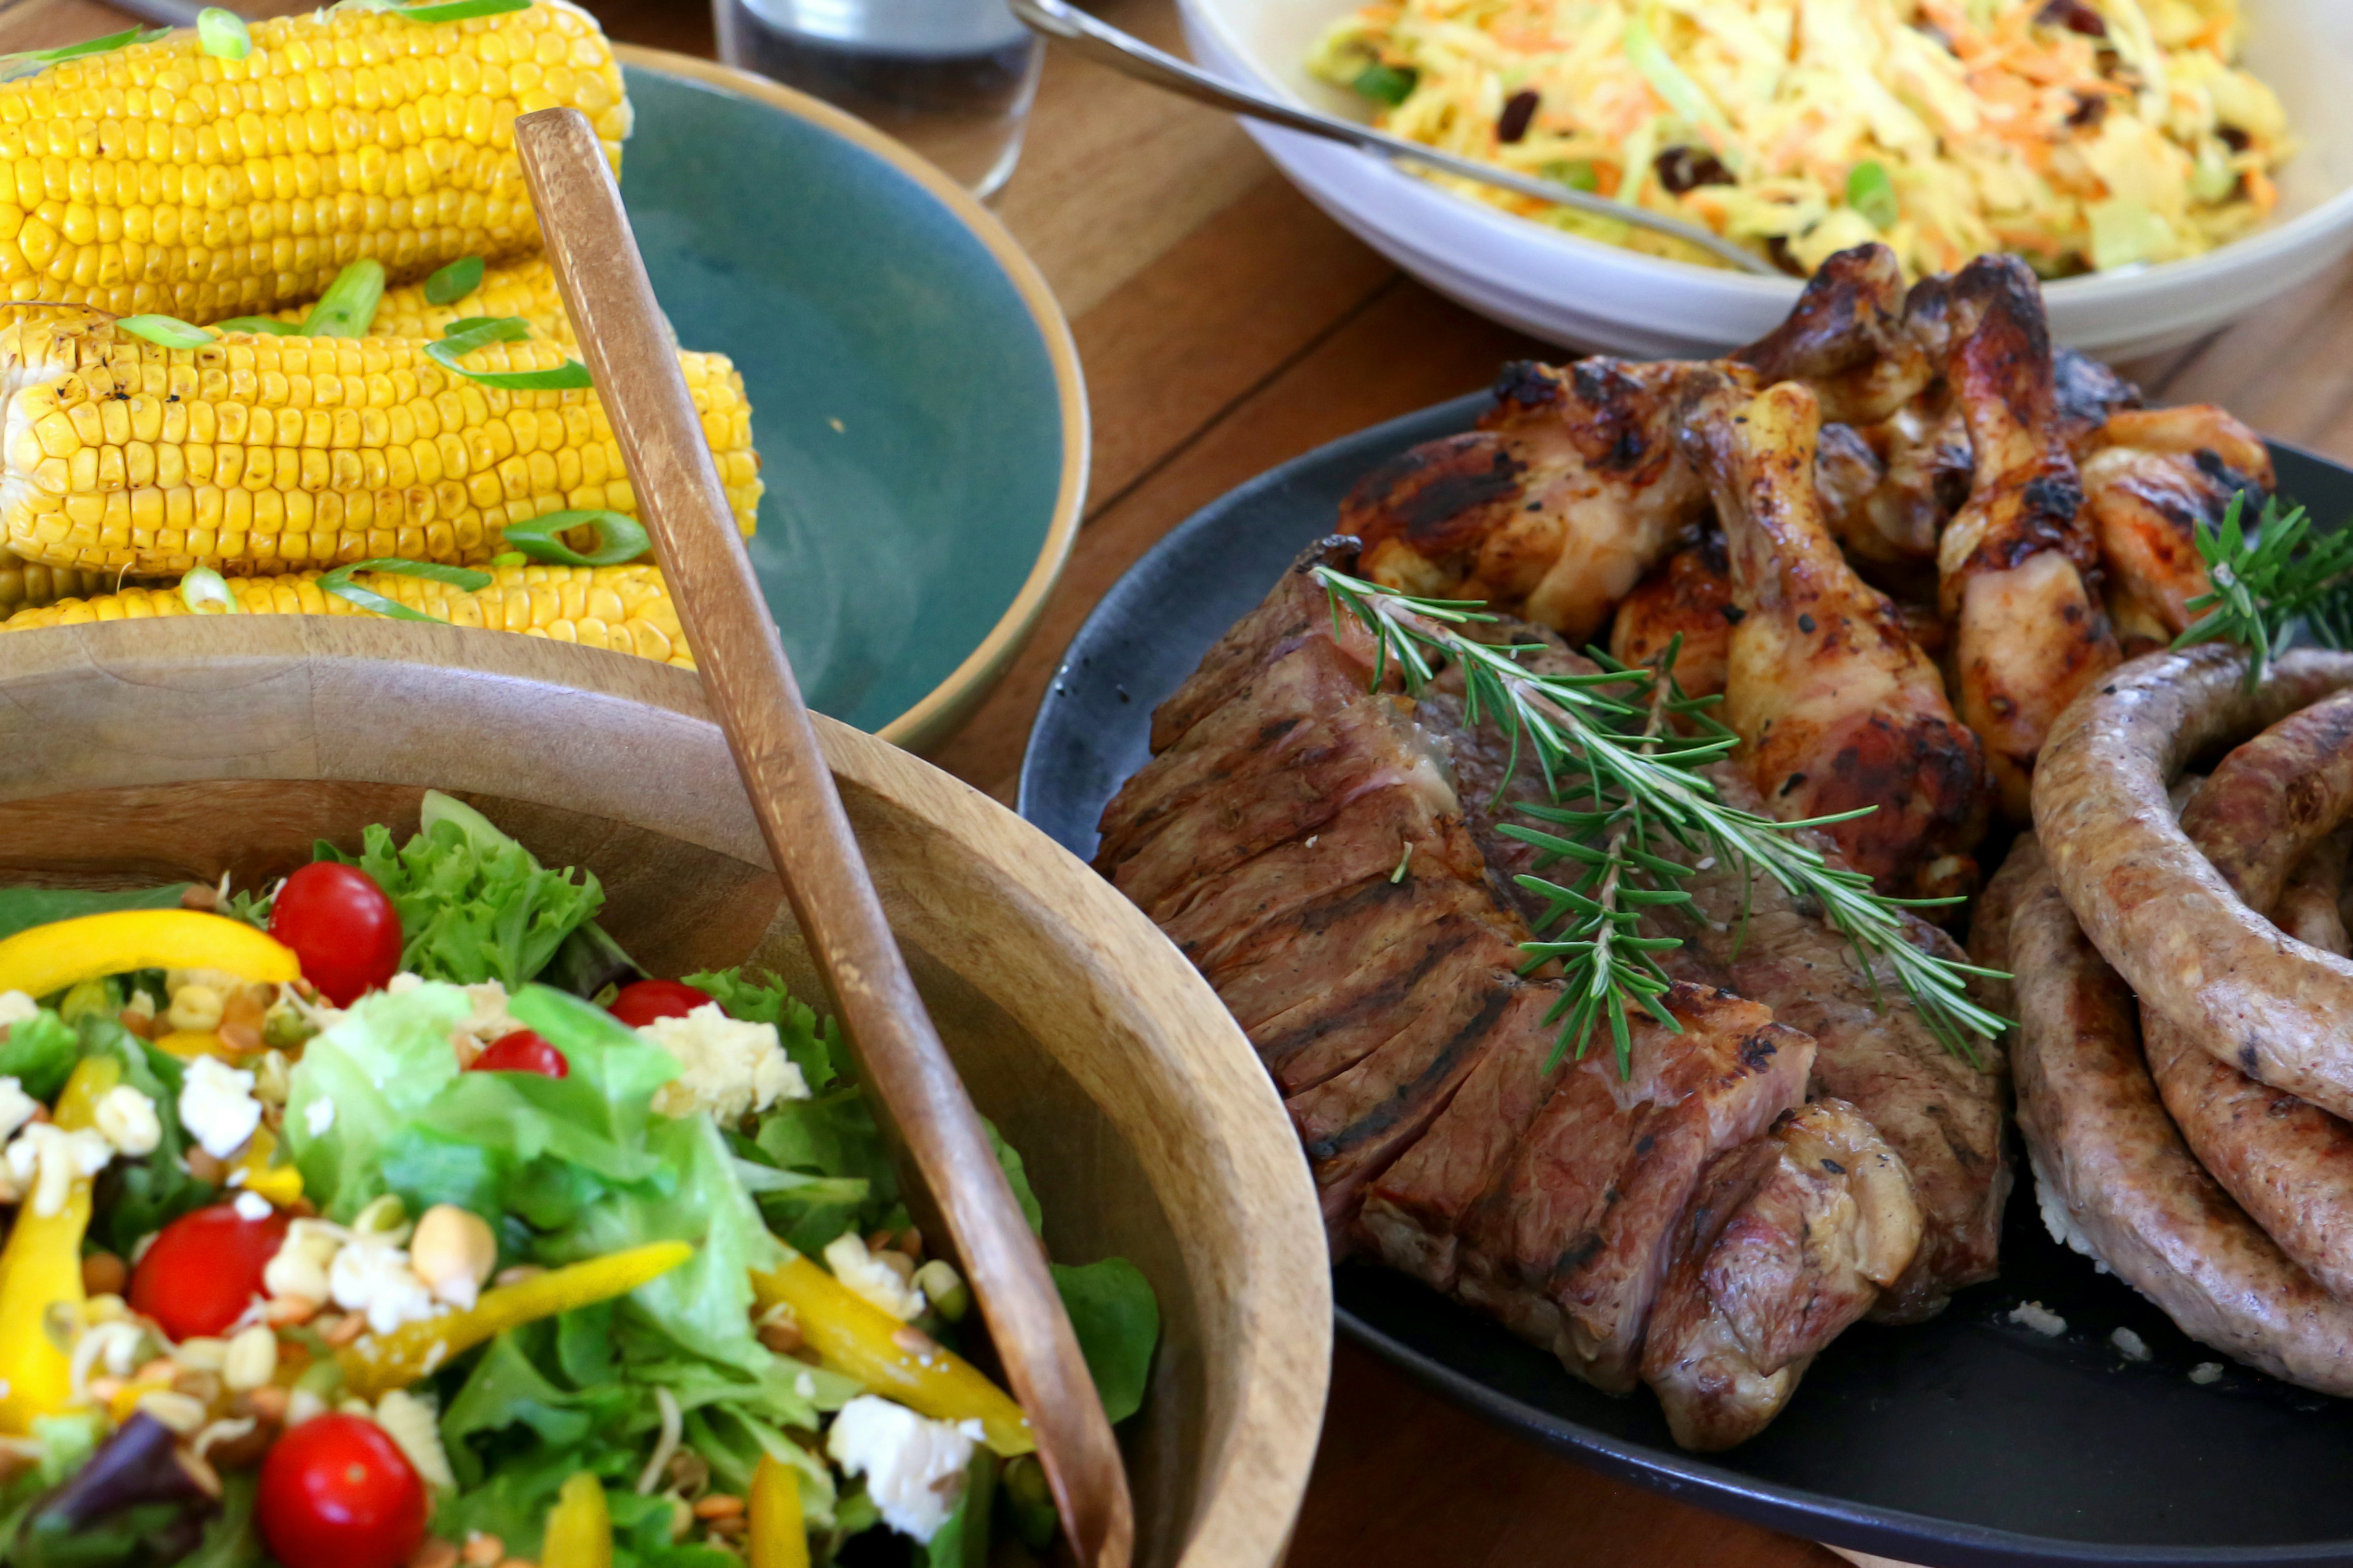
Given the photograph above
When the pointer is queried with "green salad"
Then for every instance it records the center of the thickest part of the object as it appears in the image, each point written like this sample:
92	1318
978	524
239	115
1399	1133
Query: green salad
392	1215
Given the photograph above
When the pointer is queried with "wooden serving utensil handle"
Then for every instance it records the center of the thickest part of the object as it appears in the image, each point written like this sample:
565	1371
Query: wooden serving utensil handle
751	685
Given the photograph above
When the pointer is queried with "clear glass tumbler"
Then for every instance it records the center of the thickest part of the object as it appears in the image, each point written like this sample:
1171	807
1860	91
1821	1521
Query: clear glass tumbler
952	79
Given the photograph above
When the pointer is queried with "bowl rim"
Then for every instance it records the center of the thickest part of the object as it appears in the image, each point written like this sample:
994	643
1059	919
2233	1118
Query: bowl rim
2111	288
936	714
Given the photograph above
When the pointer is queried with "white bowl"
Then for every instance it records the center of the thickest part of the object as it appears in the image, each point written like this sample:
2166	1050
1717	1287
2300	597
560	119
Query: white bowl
1584	294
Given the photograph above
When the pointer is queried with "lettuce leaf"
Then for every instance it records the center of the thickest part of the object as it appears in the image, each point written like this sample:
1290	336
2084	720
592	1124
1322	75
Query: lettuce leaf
1017	1174
39	1053
813	1043
377	1069
1117	1320
474	905
22	909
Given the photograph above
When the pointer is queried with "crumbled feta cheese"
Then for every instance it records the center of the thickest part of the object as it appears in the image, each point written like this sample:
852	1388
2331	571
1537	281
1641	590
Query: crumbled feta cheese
805	1386
914	1468
16	1107
45	1159
252	1207
2206	1371
409	1421
126	1118
216	1104
300	1267
2040	1319
2129	1345
373	1277
489	1018
15	1007
318	1116
729	1067
407	980
863	1275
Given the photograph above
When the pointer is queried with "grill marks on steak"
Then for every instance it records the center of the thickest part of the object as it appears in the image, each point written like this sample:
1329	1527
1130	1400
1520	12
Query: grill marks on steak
1300	837
1940	1113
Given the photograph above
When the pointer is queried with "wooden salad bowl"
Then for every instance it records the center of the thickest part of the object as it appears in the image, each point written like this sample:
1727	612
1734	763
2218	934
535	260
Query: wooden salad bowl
150	751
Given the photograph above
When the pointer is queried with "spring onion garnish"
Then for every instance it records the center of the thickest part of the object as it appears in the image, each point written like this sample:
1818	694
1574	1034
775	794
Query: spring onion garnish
2268	578
348	307
202	587
619	537
269	325
442	10
461	337
170	331
86	48
222	34
509	558
1386	84
1626	792
339	583
455	281
1870	192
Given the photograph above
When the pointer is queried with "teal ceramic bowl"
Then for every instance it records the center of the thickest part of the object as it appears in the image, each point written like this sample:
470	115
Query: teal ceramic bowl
915	398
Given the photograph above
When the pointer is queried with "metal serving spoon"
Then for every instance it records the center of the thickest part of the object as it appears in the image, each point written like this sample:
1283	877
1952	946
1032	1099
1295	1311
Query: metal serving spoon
1130	56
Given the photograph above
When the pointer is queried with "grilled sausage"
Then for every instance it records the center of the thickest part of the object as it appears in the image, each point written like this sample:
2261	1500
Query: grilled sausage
2115	1178
2156	909
2269	805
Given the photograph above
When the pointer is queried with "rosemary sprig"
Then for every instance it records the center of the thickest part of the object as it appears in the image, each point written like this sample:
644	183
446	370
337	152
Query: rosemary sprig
1624	789
2268	579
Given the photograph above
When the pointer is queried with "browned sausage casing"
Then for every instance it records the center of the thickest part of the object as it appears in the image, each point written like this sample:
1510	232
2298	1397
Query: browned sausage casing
2269	806
2148	899
2103	1149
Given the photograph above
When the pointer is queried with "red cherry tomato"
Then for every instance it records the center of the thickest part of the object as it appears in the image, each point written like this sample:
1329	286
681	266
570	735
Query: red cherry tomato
342	927
336	1492
204	1269
641	1004
522	1051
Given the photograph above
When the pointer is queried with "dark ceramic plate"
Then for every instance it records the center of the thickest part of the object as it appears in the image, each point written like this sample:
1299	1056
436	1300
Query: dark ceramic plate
1969	1440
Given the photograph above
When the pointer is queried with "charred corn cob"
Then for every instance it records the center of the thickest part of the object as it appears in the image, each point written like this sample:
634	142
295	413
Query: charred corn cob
256	454
27	584
159	178
525	289
625	608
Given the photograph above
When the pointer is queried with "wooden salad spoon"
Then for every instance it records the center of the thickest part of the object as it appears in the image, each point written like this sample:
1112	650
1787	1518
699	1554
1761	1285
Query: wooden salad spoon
750	685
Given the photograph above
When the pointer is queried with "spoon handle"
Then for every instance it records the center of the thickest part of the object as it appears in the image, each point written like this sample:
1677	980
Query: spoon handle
1106	45
751	685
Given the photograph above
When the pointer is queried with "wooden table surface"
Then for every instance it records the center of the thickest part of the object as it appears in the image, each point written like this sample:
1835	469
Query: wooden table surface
1226	325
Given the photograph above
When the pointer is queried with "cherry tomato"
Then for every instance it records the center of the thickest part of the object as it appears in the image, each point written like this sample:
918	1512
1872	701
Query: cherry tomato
522	1051
342	927
336	1492
641	1004
204	1269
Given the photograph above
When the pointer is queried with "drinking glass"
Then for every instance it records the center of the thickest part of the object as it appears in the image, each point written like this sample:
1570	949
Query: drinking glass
952	79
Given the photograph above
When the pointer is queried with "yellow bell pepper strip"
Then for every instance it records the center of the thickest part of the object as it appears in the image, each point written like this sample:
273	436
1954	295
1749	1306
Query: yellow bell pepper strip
779	1537
47	959
281	1184
579	1527
375	1364
40	1268
857	1337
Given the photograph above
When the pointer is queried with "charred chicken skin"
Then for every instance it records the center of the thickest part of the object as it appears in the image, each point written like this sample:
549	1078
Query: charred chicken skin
1836	707
2018	566
2155	475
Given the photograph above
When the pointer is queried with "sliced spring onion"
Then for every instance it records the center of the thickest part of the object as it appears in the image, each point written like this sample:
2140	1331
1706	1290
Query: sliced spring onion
168	330
222	33
1577	173
619	537
89	47
339	583
270	325
348	307
1870	192
203	586
509	558
462	338
1386	84
441	10
455	281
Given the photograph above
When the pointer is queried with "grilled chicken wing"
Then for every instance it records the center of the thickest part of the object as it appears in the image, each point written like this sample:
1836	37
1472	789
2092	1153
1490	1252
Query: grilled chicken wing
1690	596
1836	707
1571	488
2153	476
2016	565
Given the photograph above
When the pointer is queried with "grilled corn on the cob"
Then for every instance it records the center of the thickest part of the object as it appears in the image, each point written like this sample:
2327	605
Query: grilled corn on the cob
159	178
27	584
627	608
258	454
525	289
